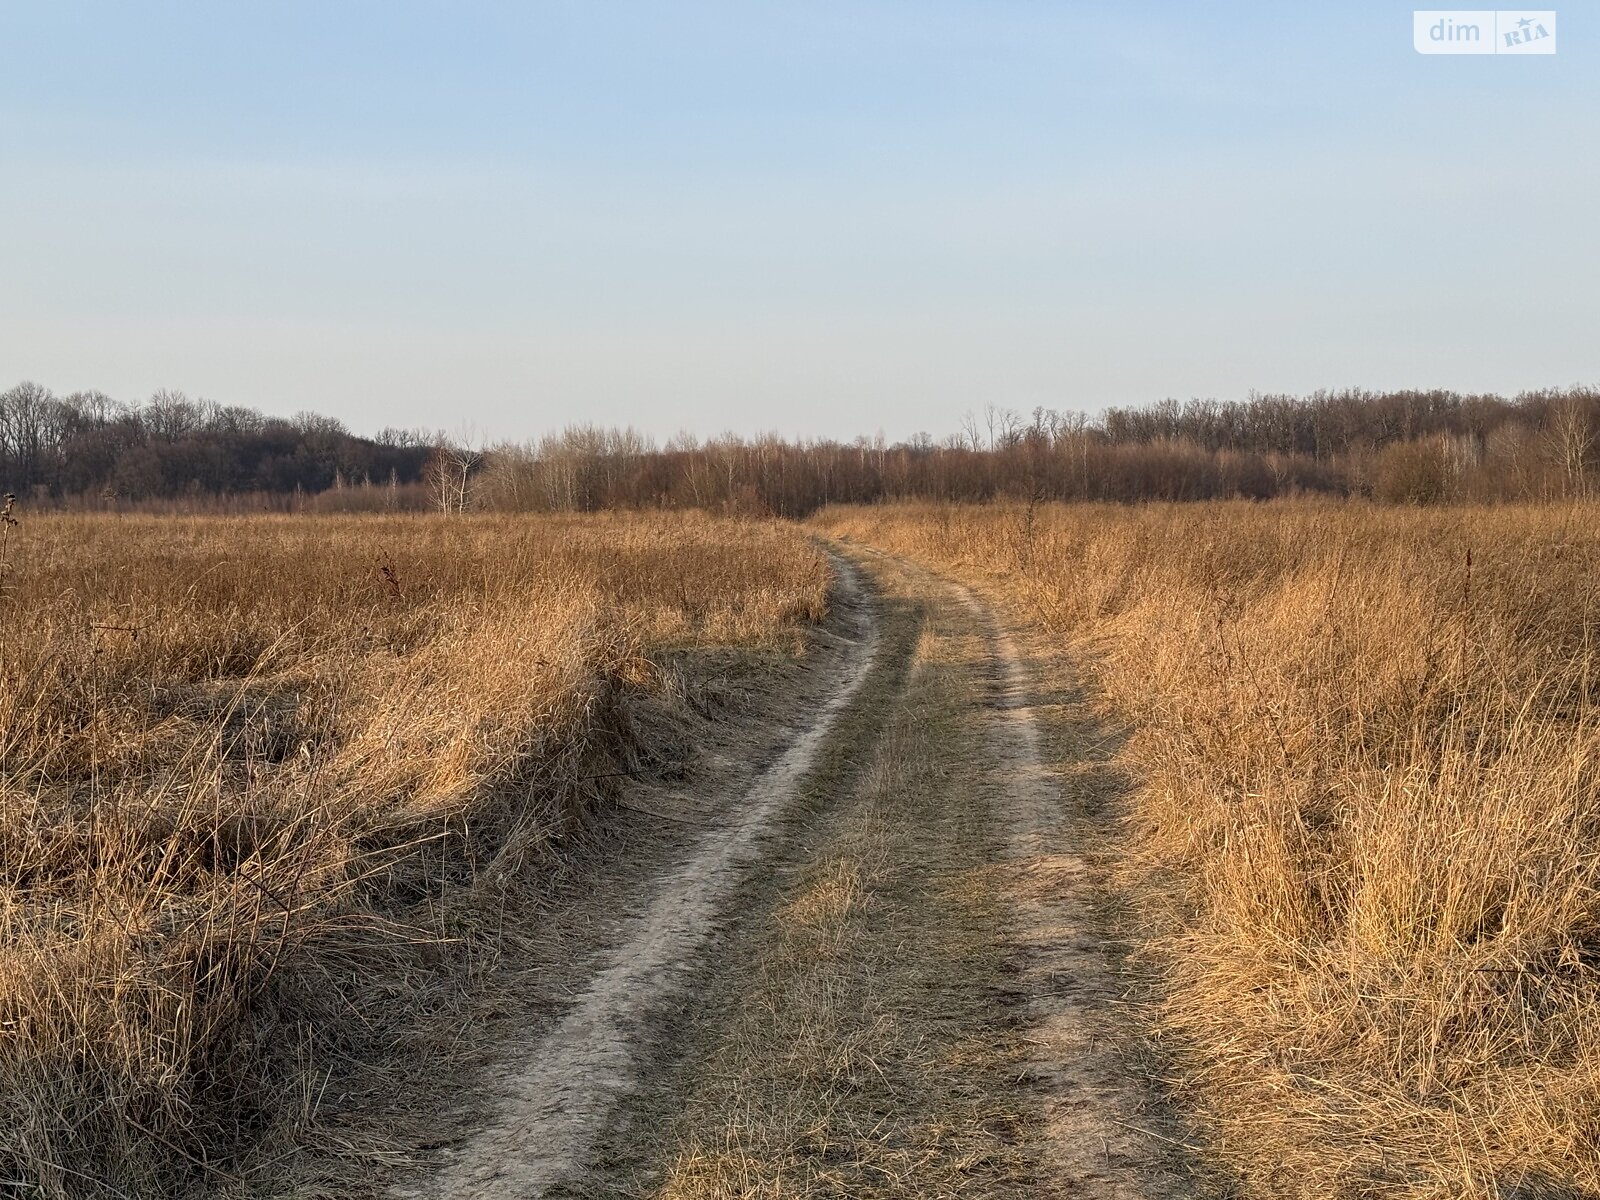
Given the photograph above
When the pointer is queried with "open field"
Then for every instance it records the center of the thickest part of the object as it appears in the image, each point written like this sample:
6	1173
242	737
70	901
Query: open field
259	773
798	601
1366	743
660	856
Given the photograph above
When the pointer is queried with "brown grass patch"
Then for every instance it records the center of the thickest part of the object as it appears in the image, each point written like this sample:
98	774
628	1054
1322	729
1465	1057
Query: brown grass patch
1367	746
257	770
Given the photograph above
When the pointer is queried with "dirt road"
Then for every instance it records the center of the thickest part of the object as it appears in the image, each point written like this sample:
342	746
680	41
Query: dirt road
876	970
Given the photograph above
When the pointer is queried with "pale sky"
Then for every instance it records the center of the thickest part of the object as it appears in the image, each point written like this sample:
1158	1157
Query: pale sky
814	217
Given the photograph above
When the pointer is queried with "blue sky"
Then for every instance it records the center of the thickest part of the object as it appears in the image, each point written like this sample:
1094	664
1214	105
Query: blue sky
813	217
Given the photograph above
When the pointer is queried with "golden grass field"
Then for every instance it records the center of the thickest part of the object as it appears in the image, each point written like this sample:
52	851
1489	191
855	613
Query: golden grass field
1363	836
251	765
259	774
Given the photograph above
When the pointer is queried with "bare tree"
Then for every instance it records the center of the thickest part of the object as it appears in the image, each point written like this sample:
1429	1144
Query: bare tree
33	424
171	415
1572	438
448	472
969	431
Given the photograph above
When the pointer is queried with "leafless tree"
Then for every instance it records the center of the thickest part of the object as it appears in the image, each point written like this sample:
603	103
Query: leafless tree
969	431
1571	437
448	474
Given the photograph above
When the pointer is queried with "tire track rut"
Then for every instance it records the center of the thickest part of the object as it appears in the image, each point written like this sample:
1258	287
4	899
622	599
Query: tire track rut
1094	1109
555	1097
561	1103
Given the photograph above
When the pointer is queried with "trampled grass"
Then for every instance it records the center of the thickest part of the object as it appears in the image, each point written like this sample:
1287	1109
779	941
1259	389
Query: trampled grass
248	765
868	1051
1364	837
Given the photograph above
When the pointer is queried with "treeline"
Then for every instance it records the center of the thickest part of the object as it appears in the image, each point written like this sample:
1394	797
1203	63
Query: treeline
88	448
1406	447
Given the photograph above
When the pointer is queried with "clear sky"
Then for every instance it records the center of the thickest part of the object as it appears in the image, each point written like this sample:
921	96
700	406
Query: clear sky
811	216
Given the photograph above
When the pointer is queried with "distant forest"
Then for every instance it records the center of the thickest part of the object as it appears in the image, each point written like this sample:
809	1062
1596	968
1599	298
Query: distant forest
89	451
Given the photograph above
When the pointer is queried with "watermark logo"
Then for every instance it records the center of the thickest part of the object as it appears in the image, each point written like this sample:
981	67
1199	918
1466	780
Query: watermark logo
1483	31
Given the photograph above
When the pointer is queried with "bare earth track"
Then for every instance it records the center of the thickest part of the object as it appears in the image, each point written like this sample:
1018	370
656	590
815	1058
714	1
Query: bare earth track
1095	1121
878	972
551	1104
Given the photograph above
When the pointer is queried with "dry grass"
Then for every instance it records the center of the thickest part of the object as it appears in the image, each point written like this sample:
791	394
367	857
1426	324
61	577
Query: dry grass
1367	744
864	1055
249	765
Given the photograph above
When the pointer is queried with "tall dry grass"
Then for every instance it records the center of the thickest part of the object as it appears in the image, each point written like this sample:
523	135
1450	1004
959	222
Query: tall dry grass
1366	826
245	765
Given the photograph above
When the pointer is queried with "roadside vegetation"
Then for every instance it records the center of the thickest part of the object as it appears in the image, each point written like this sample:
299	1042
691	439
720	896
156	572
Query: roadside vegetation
1362	846
259	776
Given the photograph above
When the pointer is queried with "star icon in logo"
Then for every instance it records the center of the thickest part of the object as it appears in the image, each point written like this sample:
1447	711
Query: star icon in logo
1524	23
